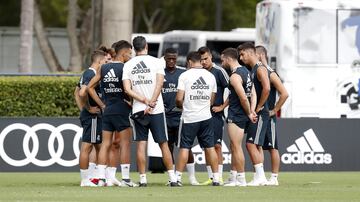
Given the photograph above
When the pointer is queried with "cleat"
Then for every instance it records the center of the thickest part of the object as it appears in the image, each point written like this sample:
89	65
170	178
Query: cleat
176	184
231	184
94	180
194	182
207	182
221	181
87	183
272	182
216	184
241	182
113	182
128	183
102	183
142	184
168	183
257	182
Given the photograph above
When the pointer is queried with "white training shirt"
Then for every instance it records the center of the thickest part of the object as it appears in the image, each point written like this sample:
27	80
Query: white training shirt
141	71
198	84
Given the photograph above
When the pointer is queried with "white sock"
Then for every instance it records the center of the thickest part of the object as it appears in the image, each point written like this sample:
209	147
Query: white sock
172	176
143	178
84	174
232	175
178	176
274	175
101	171
259	171
216	177
210	174
220	170
125	171
191	170
240	175
92	170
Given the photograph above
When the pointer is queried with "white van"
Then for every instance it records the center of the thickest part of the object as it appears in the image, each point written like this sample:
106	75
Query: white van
190	40
315	48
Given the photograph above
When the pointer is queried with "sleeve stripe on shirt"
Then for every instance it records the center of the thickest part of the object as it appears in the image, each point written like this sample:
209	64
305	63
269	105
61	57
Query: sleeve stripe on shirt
226	76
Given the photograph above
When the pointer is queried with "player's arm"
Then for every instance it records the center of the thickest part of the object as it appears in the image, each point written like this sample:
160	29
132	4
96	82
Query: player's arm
253	99
91	89
236	82
157	91
283	94
180	98
131	93
263	77
78	100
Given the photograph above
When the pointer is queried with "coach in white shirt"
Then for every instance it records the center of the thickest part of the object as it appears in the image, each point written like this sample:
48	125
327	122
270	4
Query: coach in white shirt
196	93
143	77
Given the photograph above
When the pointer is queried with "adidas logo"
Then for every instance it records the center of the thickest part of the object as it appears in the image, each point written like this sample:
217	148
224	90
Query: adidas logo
140	68
111	77
199	155
200	84
306	150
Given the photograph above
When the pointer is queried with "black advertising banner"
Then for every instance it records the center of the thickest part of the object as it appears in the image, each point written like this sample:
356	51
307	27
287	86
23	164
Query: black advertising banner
309	144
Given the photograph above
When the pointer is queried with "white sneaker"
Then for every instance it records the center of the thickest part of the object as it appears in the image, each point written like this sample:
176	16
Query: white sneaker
87	183
112	182
257	182
194	182
231	184
128	184
241	182
272	182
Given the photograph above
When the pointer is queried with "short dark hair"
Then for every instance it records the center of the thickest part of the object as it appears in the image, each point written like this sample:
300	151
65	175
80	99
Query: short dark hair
171	51
139	43
204	49
121	45
246	46
231	53
193	56
261	49
97	55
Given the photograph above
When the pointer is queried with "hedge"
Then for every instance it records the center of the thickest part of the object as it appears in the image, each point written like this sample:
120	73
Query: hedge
38	96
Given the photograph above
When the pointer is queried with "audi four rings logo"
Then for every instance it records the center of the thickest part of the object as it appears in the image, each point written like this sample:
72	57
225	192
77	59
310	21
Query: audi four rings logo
30	133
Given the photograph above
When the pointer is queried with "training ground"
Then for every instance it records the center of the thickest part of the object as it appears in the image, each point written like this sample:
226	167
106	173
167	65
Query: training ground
294	186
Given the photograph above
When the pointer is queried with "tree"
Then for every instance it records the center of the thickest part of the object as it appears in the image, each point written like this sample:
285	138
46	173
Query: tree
26	35
46	49
75	55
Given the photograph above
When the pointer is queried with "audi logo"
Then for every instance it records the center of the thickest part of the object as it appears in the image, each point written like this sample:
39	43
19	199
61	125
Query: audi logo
30	133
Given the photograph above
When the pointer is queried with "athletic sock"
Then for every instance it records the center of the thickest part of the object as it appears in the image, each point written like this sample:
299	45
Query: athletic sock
143	178
84	174
210	173
274	175
216	177
221	170
232	175
92	170
178	176
190	167
172	176
125	171
259	171
101	171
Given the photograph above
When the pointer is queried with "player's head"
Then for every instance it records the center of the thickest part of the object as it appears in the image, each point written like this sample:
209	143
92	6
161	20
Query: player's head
170	57
110	53
123	50
193	59
228	57
247	53
98	58
140	44
261	53
206	57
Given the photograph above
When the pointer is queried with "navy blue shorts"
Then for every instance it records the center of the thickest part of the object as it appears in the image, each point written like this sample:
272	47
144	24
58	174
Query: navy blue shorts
116	122
91	129
156	123
202	130
271	140
218	127
173	135
256	131
242	121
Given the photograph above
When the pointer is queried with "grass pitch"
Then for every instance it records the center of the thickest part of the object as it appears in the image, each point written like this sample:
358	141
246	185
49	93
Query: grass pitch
294	186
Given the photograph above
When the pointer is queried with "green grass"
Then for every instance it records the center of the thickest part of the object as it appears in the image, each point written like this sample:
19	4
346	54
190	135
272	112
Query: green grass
294	186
